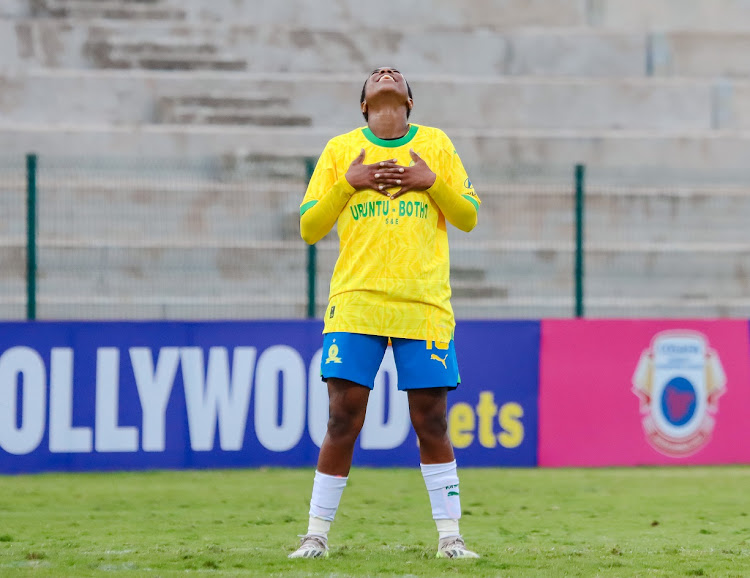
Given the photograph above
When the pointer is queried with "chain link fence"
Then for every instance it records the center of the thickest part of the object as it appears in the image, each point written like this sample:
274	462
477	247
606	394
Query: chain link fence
219	239
13	242
666	243
165	239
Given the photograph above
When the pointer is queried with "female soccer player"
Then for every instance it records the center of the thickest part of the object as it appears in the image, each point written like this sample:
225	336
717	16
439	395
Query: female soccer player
389	187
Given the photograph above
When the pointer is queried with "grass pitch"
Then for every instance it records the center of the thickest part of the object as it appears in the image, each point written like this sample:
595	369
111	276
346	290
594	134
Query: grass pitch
607	522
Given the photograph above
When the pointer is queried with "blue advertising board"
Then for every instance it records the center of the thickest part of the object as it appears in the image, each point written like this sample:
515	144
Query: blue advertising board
78	396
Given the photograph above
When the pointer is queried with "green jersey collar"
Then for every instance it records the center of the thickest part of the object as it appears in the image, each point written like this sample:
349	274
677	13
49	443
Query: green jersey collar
392	143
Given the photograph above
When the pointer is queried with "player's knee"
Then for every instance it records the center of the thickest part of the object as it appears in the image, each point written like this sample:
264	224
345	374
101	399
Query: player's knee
344	426
429	425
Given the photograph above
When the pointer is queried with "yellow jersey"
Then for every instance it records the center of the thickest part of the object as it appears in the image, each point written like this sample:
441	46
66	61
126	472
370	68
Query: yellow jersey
392	274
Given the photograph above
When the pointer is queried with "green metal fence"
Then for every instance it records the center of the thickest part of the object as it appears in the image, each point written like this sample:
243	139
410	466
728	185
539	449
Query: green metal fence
667	243
167	239
99	238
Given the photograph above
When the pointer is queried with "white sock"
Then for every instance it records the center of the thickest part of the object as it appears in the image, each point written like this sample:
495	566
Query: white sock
318	526
442	486
447	528
326	496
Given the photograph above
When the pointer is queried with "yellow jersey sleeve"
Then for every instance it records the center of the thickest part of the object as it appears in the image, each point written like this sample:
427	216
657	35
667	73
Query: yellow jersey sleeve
327	195
459	180
453	191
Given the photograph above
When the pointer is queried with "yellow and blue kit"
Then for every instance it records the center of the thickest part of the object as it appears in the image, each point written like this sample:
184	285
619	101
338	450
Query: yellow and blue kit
419	364
391	278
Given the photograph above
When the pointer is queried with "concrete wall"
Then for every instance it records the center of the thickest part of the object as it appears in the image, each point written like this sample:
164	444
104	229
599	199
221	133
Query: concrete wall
355	14
333	100
337	48
56	43
15	9
634	14
523	87
721	15
589	69
484	151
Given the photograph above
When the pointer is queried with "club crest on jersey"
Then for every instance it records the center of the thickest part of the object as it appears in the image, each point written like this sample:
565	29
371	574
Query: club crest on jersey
678	381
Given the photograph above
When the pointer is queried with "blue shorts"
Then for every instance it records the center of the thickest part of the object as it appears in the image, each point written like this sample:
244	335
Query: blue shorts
419	364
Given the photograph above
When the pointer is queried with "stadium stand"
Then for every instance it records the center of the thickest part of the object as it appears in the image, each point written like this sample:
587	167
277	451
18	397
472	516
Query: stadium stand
652	95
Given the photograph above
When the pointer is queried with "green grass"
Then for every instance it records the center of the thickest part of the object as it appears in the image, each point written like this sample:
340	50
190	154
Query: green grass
609	522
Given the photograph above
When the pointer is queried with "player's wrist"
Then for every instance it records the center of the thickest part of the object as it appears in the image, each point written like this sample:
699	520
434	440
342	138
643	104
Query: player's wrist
355	180
436	184
346	186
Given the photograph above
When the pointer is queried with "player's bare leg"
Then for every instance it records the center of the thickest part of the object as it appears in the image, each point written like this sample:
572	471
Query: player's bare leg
346	415
428	409
346	411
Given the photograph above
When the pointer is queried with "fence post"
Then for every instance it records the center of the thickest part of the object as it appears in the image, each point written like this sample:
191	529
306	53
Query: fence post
31	221
580	178
312	253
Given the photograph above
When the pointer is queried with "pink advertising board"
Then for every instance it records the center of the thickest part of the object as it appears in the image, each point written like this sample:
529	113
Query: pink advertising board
621	393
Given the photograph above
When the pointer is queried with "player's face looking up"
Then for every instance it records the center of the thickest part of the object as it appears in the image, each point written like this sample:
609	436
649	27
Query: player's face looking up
385	85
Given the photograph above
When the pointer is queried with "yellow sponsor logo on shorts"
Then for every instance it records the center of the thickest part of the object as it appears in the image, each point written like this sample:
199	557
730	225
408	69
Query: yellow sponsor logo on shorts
440	359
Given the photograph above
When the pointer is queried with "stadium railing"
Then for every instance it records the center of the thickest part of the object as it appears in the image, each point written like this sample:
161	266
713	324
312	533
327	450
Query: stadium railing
218	238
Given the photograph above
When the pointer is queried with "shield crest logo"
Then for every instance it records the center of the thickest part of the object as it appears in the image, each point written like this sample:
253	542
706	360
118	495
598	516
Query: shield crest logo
678	381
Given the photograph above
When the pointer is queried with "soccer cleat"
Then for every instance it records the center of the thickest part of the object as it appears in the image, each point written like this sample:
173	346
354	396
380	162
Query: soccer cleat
311	546
454	547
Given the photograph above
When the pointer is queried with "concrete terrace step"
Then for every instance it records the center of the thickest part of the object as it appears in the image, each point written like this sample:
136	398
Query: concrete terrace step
156	61
15	9
109	9
161	55
120	97
196	276
615	271
483	150
194	270
260	110
233	117
719	15
258	307
241	194
126	275
181	308
337	49
13	263
699	53
687	260
686	269
669	212
81	44
121	214
12	203
634	14
355	14
563	307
